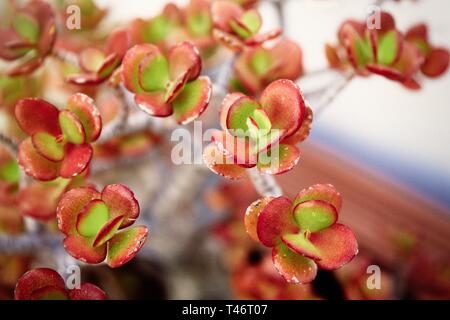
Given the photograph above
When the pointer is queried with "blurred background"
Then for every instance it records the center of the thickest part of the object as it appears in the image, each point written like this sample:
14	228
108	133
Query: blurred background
385	148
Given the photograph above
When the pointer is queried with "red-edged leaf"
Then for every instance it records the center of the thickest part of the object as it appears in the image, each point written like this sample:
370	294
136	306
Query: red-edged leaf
92	218
301	244
315	215
229	100
252	214
118	42
36	115
36	279
292	59
87	291
84	108
436	63
121	201
39	200
246	74
241	150
193	100
175	87
49	293
275	219
337	246
34	164
278	159
6	52
184	58
125	245
130	65
70	205
26	67
108	231
259	39
72	128
48	146
303	132
81	248
294	268
417	32
285	106
154	104
238	114
153	72
88	79
91	59
216	161
324	192
76	159
223	12
228	40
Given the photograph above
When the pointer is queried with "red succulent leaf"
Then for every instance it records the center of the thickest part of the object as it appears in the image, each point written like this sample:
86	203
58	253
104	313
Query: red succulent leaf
82	248
223	12
84	108
49	293
6	51
259	39
154	104
284	104
218	163
358	26
229	100
120	200
125	245
118	43
275	219
278	159
76	159
315	215
70	205
26	67
87	291
294	268
228	40
241	150
34	164
35	280
184	58
324	192
303	132
39	201
48	146
417	32
36	115
252	215
91	59
436	63
108	231
292	59
337	246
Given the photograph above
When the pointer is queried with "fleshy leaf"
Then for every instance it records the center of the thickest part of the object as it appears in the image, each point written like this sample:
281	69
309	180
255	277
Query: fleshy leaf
154	104
274	220
301	244
131	62
121	201
337	246
91	59
193	100
108	231
389	47
27	27
436	63
315	215
216	161
36	115
241	150
87	291
303	132
34	164
92	218
278	159
252	214
76	159
125	245
49	293
81	248
228	101
294	268
48	146
153	72
238	115
70	205
87	113
184	58
36	279
71	127
284	104
324	192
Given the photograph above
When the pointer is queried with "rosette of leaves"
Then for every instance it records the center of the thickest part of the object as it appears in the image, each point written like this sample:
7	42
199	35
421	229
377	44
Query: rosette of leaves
91	221
303	234
166	85
384	51
99	65
237	28
59	142
90	14
436	58
29	37
47	284
256	68
161	30
260	134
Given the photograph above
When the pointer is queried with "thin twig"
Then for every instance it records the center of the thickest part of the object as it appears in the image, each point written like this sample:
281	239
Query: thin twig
9	144
265	185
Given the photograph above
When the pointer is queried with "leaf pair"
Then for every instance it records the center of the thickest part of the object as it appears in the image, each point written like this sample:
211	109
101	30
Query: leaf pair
166	85
91	220
261	134
303	234
59	142
237	28
47	284
30	36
